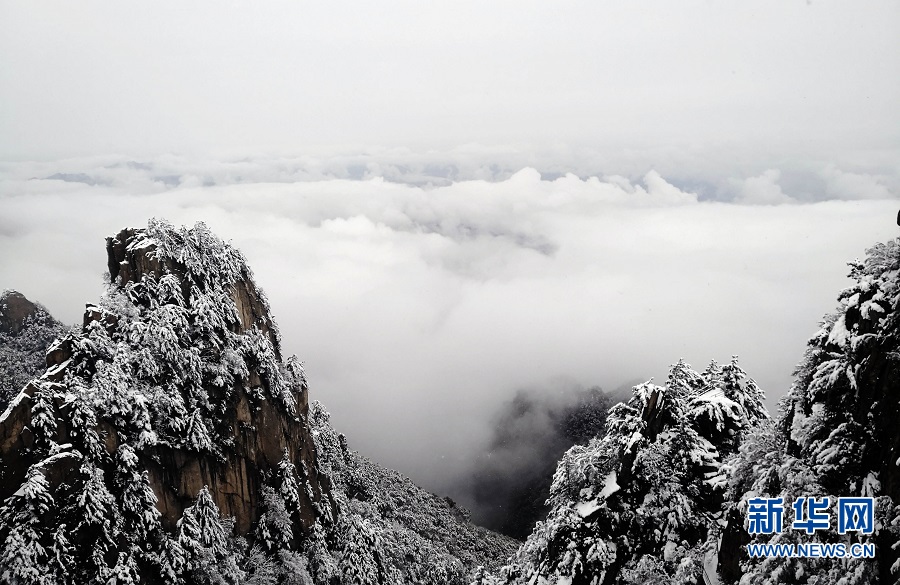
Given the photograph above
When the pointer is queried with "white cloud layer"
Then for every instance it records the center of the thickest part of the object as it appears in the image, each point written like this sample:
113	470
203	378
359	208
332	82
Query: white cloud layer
418	310
762	190
450	201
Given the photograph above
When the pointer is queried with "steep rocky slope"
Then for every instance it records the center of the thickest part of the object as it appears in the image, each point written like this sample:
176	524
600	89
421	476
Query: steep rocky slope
405	534
168	441
26	330
175	385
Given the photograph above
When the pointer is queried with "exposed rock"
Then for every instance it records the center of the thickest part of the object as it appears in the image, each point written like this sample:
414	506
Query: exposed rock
15	440
26	329
167	441
14	311
130	257
262	434
180	364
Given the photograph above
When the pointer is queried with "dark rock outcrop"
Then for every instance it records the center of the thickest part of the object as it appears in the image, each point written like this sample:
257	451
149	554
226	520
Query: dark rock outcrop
26	329
15	310
262	433
167	441
176	376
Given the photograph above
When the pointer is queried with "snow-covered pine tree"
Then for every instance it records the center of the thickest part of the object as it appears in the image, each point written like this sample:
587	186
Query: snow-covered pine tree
836	436
360	553
640	503
204	537
274	529
26	556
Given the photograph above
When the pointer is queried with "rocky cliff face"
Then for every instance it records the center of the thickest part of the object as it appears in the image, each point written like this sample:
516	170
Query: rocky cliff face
15	310
168	441
261	430
26	329
174	386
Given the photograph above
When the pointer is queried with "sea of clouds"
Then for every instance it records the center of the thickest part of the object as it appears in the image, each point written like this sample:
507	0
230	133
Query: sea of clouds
423	291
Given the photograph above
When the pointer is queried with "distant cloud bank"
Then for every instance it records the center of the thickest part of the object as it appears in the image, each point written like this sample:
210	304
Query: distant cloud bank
698	177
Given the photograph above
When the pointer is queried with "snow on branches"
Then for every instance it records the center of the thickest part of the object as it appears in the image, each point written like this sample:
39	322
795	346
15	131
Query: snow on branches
640	500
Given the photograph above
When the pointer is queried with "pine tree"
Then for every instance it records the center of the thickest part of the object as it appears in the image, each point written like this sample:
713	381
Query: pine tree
359	553
201	527
275	527
834	438
203	540
640	502
24	557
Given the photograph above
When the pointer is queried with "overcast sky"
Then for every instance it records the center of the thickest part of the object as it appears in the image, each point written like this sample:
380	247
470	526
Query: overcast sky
785	76
447	202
